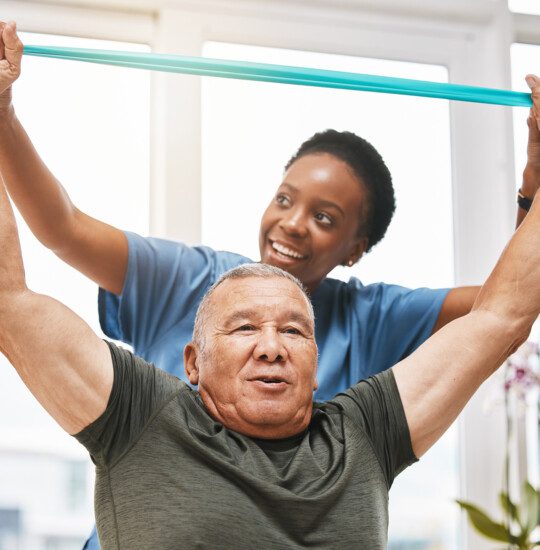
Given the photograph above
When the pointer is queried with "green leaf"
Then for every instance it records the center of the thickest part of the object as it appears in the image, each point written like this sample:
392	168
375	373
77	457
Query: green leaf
485	525
530	507
510	509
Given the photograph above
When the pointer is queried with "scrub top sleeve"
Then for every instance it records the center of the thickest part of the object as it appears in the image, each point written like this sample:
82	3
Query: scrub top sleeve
402	321
165	280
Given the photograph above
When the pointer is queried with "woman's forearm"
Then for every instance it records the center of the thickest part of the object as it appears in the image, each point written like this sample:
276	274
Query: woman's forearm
40	198
96	249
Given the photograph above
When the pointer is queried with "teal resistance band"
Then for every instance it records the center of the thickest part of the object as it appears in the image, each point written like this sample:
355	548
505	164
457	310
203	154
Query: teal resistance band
263	72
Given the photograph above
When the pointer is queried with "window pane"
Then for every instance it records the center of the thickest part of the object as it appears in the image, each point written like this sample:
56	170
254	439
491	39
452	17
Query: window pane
91	125
249	132
525	6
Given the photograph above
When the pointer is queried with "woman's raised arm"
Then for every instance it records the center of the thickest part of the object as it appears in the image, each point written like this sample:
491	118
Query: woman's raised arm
96	249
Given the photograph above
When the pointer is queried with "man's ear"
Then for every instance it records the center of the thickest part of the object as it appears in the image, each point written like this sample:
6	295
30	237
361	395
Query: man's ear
191	352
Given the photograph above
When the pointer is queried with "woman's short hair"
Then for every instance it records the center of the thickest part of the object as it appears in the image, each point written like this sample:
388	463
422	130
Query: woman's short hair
369	167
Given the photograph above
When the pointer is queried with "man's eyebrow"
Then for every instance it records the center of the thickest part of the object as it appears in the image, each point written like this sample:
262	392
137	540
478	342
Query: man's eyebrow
250	313
241	315
302	319
323	203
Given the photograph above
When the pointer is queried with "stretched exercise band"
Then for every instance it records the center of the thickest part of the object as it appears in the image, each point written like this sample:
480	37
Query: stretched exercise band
264	72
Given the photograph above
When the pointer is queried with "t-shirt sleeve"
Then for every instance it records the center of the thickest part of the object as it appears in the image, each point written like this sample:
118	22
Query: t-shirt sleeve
396	321
165	281
375	406
138	393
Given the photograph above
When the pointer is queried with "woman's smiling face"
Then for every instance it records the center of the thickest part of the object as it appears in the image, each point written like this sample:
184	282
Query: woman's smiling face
312	224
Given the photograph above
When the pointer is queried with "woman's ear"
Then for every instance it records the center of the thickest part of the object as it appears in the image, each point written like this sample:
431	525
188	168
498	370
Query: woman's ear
357	251
191	352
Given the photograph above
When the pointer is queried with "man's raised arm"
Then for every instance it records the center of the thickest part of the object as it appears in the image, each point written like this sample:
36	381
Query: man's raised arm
438	379
459	300
96	249
59	358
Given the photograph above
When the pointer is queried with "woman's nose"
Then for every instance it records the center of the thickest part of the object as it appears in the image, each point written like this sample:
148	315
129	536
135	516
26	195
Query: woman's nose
294	224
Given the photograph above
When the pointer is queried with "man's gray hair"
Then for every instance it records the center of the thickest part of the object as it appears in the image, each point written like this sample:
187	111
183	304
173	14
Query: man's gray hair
245	271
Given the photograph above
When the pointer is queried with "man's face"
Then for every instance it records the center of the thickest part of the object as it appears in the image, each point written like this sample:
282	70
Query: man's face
257	371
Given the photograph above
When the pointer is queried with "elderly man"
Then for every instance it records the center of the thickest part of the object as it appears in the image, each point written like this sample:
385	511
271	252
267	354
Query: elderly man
249	461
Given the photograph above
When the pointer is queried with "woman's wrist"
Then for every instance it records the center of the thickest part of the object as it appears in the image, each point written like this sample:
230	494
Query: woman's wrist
531	181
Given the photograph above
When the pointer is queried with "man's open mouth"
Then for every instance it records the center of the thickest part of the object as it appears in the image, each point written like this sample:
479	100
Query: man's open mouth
271	381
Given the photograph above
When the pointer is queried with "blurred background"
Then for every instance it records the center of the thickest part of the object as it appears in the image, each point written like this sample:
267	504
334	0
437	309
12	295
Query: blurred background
197	159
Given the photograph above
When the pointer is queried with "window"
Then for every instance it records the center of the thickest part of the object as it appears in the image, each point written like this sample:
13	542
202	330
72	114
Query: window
250	130
531	7
90	123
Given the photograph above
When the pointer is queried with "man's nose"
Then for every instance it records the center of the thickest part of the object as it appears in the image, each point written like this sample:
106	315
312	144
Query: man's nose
270	347
294	223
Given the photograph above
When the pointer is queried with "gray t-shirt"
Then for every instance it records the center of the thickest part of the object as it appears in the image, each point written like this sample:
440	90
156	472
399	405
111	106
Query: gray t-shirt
169	477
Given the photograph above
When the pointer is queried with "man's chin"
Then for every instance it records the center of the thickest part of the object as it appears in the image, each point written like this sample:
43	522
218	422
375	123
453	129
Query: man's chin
272	430
269	415
272	421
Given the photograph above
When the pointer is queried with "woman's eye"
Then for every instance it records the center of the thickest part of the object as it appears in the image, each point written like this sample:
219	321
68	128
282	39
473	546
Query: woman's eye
324	218
283	200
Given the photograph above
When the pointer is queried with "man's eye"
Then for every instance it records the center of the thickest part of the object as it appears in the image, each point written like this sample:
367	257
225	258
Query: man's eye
245	328
291	330
325	219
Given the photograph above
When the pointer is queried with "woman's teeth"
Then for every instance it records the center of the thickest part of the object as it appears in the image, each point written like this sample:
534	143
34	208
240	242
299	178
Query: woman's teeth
286	251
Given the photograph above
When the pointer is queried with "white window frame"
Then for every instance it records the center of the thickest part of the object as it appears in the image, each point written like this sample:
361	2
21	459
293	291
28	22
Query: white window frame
471	38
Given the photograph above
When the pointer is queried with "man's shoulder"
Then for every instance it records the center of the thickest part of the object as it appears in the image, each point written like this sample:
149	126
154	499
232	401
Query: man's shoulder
355	395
